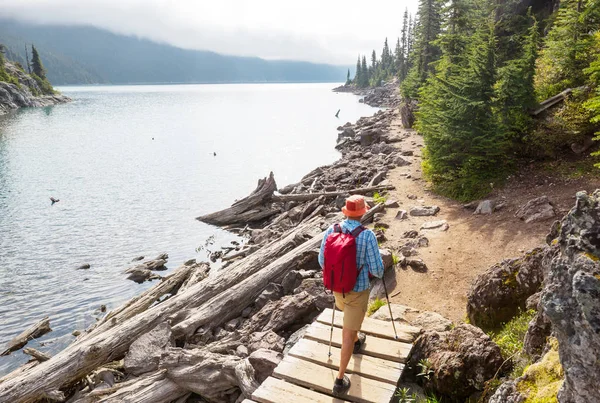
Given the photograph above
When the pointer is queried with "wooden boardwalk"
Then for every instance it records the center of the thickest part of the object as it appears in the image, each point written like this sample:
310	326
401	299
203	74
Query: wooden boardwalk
307	374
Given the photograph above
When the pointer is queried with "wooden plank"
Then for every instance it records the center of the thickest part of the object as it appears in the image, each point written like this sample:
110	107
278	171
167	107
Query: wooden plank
379	328
369	367
275	390
248	401
376	347
309	375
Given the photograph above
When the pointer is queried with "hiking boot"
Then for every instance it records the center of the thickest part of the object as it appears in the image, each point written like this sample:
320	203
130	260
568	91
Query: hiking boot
341	386
359	343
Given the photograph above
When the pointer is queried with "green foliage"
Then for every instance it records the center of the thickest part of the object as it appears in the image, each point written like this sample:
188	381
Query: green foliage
374	306
4	75
592	105
426	370
510	337
379	198
395	259
465	149
44	84
567	48
36	64
514	90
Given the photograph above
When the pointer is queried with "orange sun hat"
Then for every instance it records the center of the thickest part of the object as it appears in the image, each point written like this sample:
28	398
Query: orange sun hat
355	206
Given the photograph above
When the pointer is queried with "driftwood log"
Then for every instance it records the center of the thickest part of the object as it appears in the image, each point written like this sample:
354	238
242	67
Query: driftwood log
33	332
312	196
38	355
248	209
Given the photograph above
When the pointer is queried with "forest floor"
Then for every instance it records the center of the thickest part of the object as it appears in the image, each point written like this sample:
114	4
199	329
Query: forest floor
473	242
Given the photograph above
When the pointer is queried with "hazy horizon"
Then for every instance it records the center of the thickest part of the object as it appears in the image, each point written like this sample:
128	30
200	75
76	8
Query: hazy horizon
333	32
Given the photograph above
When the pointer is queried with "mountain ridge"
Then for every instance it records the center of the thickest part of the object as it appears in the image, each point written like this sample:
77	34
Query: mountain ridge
88	55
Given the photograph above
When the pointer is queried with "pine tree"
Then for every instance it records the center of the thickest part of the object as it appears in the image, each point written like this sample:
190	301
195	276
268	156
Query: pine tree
364	73
373	60
426	50
348	81
404	46
358	75
385	56
515	90
593	103
36	64
465	151
398	58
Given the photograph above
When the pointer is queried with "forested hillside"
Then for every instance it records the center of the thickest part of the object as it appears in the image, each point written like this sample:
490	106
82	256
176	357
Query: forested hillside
479	69
86	55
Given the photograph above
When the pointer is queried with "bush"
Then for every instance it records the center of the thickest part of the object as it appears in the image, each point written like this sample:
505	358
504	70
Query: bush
510	340
44	85
374	306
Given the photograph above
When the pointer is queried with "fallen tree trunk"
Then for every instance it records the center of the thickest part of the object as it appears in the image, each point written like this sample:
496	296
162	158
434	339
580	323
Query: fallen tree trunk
244	210
207	374
33	332
312	196
151	388
142	302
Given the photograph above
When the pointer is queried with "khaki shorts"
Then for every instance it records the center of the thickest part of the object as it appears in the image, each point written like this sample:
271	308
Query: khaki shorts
354	305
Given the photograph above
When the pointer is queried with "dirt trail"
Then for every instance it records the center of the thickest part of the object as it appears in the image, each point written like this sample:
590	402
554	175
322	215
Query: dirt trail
473	242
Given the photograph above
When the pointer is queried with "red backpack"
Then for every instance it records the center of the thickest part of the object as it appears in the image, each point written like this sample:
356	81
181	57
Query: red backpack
340	271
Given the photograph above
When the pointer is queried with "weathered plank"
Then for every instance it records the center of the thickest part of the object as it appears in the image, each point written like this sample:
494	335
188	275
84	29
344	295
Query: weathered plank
321	379
367	366
275	390
374	327
376	347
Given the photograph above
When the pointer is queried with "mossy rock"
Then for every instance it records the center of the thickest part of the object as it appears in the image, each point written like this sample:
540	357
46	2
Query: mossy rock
541	381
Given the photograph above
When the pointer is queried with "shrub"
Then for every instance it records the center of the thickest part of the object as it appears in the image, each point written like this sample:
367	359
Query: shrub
374	306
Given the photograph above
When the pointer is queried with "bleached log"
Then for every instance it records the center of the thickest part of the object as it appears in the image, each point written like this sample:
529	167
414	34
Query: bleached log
246	210
208	374
312	196
151	388
33	332
140	303
199	273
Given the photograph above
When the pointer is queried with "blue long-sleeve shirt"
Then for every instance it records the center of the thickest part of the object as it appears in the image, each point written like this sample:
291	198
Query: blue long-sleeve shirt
367	254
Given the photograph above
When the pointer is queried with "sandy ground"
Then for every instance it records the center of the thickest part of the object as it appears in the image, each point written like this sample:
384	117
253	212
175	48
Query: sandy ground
473	242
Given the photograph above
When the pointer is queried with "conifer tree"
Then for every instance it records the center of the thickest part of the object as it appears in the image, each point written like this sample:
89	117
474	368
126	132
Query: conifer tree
36	64
593	103
373	60
385	56
348	81
425	49
358	75
398	58
465	151
364	73
515	90
404	46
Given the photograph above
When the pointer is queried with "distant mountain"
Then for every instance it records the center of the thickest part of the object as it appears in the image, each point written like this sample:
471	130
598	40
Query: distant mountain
87	55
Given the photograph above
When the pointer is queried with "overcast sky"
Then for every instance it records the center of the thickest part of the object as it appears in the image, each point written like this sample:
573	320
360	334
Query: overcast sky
328	31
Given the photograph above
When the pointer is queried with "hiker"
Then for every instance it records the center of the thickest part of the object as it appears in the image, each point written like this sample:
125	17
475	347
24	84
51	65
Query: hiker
349	256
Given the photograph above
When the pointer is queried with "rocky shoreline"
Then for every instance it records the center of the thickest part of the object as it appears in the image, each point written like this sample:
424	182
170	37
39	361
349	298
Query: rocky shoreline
13	97
385	96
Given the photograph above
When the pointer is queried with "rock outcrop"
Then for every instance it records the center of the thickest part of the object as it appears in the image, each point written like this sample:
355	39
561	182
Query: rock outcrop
571	300
502	290
14	96
456	363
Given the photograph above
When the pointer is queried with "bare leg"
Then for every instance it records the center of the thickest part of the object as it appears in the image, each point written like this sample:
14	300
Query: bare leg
348	339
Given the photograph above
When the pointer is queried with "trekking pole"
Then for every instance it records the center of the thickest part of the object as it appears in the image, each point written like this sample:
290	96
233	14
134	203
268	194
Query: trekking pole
389	306
332	318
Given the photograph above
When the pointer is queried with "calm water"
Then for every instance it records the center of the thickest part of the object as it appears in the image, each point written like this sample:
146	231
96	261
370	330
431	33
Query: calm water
132	167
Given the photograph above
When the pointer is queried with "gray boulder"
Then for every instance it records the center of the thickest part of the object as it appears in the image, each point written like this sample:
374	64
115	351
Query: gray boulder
424	211
460	361
439	225
264	362
271	293
502	290
571	300
144	353
538	209
486	207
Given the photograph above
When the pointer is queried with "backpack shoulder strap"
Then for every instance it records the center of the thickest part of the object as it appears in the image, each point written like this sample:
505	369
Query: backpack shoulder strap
337	228
357	231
